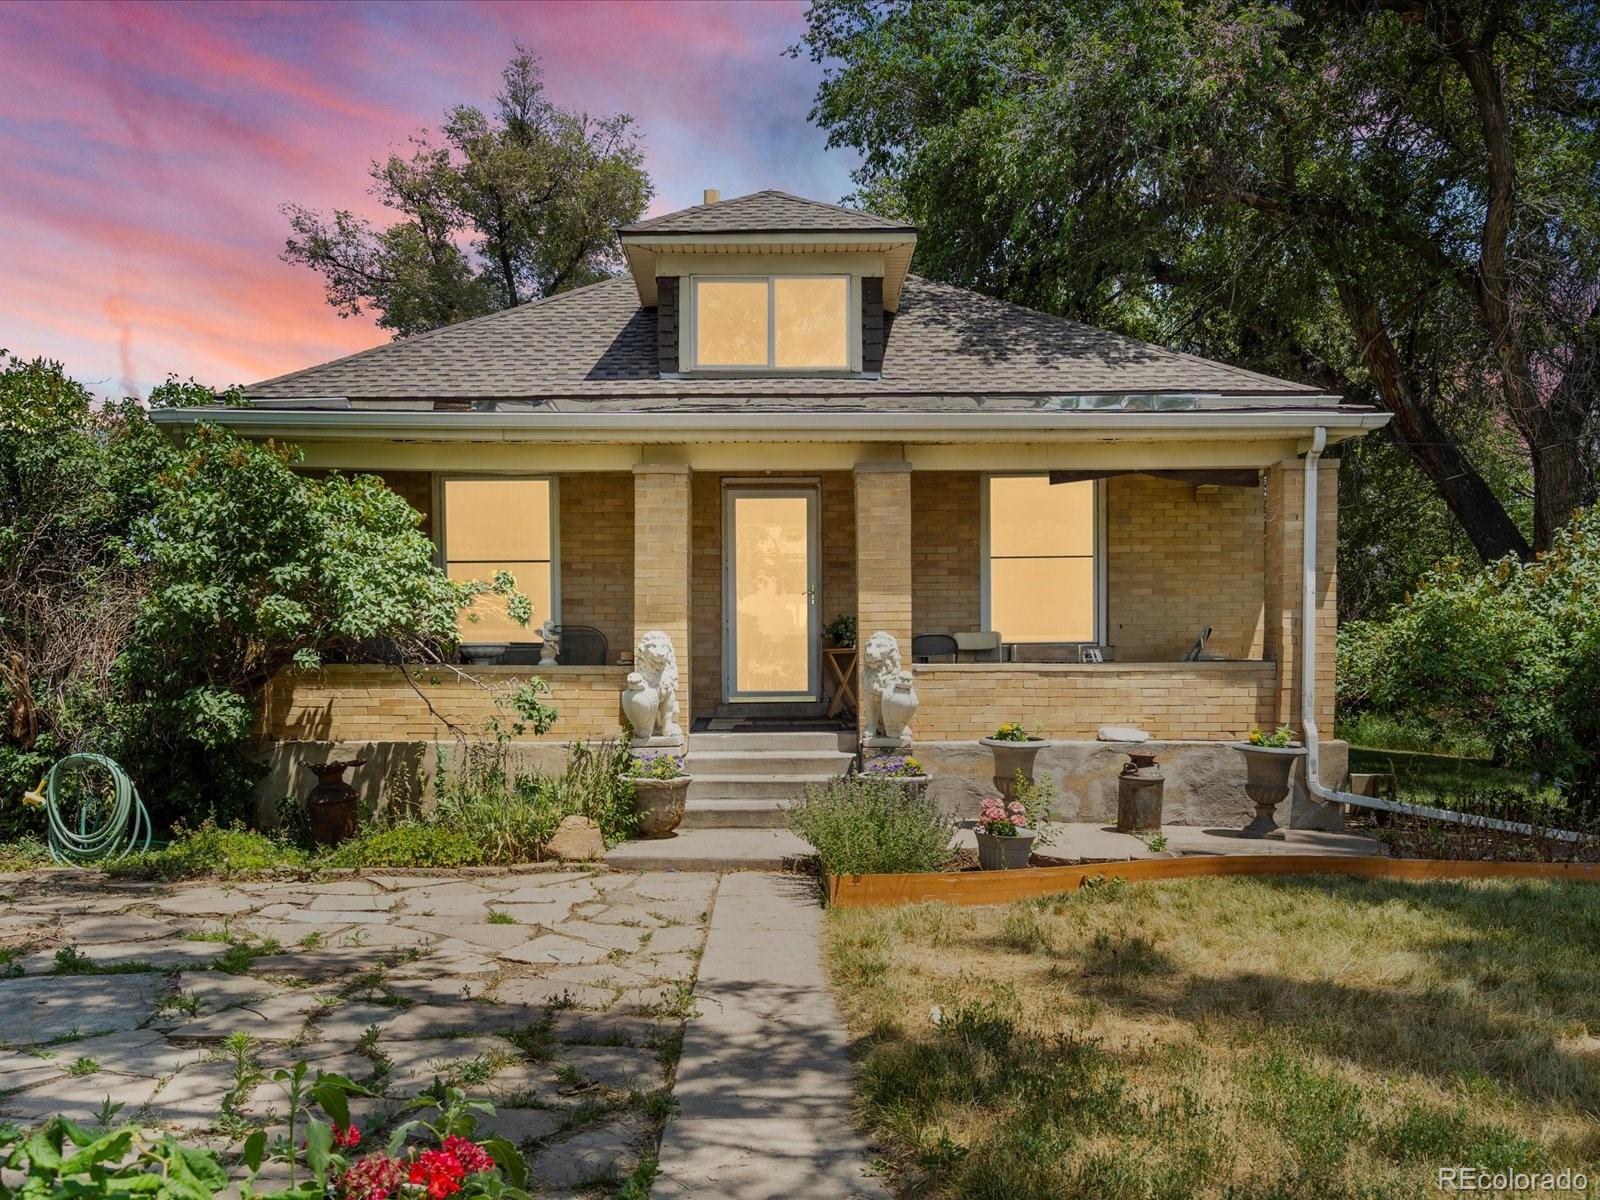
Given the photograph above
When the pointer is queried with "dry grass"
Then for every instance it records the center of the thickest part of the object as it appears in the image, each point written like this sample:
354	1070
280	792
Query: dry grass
1237	1038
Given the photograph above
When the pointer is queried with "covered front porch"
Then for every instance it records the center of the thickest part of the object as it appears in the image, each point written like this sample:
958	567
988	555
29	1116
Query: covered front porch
904	538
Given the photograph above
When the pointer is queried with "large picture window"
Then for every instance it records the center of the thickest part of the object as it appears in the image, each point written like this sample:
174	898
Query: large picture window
784	322
1041	542
500	525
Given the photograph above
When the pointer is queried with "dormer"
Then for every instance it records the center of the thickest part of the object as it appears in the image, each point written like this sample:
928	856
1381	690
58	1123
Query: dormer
769	285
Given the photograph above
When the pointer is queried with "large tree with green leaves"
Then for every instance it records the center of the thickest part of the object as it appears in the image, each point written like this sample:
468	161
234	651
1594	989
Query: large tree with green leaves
495	209
1399	199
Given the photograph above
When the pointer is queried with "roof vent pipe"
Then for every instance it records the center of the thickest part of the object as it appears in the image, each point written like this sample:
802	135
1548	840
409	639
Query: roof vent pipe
713	195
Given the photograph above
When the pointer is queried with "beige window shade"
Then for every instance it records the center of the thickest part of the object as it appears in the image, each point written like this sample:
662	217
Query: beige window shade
1041	568
789	322
731	323
495	525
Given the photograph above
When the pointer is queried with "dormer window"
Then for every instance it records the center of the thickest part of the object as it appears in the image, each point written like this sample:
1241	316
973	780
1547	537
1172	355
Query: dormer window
771	322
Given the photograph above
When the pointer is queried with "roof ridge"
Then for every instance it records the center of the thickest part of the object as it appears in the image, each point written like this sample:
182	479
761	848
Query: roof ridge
415	338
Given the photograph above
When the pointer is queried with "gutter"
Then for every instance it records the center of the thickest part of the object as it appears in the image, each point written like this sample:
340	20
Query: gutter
758	426
1308	684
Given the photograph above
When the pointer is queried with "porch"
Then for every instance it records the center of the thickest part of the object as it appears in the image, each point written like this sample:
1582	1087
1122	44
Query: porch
904	548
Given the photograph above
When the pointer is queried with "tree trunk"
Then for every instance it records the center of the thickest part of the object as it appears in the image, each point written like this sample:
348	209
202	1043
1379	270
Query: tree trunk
1492	531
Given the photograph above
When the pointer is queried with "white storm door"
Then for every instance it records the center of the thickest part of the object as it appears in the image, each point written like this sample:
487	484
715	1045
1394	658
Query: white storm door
769	595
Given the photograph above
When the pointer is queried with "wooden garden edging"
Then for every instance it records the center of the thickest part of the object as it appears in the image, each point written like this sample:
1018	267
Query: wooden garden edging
998	887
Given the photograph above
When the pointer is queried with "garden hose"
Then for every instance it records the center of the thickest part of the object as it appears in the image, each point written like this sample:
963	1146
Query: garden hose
102	832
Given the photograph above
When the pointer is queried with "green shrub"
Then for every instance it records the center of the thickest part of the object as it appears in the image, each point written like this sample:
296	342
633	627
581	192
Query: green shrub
413	844
210	850
864	826
1510	651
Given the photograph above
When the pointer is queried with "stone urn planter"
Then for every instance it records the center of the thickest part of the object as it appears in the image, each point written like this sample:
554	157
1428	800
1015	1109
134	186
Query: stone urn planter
1267	770
331	806
1011	757
997	853
659	803
481	654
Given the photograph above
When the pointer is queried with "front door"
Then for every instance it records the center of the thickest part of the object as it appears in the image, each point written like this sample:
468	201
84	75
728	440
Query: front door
769	593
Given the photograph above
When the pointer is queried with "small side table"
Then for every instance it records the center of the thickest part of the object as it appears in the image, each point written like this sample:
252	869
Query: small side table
842	662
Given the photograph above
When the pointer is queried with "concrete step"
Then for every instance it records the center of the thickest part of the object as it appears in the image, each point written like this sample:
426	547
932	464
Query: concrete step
730	813
749	787
758	763
762	741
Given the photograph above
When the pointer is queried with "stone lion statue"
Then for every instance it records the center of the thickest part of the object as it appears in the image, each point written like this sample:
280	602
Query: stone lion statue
885	685
656	661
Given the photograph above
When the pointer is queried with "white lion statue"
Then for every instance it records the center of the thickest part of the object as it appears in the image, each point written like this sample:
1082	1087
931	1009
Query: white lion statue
657	665
887	695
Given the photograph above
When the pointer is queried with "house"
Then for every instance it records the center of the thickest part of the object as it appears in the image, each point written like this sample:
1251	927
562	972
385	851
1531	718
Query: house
769	422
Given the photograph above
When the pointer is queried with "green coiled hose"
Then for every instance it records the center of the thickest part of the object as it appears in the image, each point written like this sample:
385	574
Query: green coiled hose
102	833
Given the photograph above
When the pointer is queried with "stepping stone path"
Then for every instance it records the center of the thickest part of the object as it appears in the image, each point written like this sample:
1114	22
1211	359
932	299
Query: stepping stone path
558	995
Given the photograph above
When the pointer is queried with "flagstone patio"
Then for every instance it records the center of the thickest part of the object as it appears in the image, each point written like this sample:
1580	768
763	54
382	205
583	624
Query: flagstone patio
559	994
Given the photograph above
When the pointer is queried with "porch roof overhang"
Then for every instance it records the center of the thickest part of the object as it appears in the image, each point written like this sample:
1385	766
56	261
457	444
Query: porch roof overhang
336	423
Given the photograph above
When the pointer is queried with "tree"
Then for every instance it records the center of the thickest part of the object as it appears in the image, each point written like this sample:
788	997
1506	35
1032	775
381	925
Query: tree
1387	197
533	191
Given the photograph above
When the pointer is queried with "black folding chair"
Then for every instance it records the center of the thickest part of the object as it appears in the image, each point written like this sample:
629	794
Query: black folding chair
582	646
925	647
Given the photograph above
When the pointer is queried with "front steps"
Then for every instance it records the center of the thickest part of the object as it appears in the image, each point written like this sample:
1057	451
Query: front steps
742	780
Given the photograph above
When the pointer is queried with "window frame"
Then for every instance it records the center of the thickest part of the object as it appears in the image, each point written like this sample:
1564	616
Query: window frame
441	522
1100	588
689	338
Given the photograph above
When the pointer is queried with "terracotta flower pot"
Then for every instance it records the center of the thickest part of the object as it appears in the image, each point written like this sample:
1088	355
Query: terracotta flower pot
1267	770
659	803
1011	757
997	853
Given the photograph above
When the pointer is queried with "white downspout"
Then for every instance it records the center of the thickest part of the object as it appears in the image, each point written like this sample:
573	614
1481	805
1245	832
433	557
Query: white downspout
1308	681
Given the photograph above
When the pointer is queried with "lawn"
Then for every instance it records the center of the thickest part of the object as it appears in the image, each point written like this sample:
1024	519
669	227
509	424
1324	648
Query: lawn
1239	1038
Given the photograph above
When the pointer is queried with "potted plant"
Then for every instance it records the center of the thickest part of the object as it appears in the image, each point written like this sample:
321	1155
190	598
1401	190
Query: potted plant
1014	750
1009	827
660	787
1268	760
841	631
902	769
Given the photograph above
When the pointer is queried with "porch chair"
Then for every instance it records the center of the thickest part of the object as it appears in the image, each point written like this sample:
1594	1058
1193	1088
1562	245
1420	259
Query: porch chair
582	646
980	645
925	647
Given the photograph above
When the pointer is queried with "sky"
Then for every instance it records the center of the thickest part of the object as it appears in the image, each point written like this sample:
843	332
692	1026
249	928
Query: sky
145	151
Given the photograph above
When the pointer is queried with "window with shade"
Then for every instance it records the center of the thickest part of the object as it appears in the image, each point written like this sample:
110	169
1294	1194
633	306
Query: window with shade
500	525
1041	542
783	322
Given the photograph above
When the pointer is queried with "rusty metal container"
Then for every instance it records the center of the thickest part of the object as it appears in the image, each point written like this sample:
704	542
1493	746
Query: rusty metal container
1139	792
332	803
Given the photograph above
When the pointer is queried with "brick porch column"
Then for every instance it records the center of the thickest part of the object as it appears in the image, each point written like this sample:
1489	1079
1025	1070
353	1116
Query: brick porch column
661	564
1285	522
883	553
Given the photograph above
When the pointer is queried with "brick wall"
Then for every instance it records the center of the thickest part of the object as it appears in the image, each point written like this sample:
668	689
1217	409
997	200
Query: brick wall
661	568
1177	560
1285	520
1181	701
597	554
838	569
372	703
946	545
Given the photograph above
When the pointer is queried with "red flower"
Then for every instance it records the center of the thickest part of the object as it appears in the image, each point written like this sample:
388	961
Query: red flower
348	1137
472	1157
375	1177
439	1171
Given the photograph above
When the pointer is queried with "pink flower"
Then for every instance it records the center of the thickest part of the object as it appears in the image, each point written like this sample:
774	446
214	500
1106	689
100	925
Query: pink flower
375	1177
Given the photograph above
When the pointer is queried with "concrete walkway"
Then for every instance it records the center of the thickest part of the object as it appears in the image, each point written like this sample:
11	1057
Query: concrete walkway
764	1083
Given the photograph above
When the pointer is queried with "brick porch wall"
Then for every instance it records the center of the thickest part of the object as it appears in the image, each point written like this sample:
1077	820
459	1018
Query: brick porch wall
597	554
375	703
1171	701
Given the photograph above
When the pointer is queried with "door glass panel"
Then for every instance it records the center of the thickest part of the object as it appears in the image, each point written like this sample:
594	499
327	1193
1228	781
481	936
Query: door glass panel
772	605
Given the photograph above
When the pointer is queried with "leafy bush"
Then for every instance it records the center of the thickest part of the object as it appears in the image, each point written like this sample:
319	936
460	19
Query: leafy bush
863	826
1511	651
412	844
209	850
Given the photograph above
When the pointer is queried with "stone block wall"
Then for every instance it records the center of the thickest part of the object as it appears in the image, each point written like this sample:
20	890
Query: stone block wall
1202	701
376	703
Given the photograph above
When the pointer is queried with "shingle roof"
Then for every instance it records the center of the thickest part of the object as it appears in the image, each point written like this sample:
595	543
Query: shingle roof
770	211
596	344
